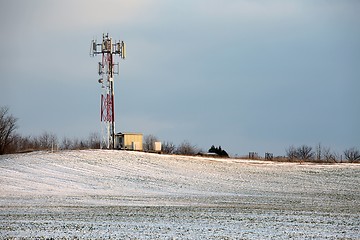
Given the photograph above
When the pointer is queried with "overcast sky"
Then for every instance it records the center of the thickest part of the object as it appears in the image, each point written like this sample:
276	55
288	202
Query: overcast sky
247	75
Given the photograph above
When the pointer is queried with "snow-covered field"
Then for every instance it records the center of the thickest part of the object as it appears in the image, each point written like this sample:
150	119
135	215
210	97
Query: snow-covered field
131	195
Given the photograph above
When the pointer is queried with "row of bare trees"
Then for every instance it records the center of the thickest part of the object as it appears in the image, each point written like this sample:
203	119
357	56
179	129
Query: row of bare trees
12	142
321	154
92	142
49	141
184	148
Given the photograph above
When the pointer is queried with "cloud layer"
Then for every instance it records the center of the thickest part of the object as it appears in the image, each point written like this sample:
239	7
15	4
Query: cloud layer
248	75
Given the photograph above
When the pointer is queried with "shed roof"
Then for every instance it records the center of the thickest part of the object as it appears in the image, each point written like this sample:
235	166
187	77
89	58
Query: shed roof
122	134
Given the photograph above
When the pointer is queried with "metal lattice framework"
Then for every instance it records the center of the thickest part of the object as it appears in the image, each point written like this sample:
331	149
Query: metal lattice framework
106	70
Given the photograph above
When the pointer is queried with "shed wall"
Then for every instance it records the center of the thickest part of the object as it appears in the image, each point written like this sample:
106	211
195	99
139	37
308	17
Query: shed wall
133	141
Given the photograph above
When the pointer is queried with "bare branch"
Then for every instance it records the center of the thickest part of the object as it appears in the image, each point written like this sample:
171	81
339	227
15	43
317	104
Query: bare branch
352	154
7	129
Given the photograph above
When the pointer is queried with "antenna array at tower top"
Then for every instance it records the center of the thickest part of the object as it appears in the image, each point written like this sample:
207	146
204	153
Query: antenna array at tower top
108	46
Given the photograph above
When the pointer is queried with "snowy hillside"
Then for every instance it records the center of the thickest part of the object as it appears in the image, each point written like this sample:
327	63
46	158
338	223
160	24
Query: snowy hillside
115	177
103	179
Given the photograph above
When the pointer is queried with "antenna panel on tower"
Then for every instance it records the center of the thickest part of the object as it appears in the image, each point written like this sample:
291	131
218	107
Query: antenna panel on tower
123	50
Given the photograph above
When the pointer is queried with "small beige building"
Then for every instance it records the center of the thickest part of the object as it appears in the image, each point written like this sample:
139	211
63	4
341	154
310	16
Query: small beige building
129	141
157	146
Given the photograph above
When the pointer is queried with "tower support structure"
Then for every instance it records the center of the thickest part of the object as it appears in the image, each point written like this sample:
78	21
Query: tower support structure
106	70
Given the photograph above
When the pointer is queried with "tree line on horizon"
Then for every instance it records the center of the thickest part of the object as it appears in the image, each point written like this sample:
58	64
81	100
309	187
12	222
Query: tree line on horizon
321	154
184	148
13	142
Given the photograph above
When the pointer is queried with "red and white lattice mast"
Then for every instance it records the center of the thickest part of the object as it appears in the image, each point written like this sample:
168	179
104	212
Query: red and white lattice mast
107	68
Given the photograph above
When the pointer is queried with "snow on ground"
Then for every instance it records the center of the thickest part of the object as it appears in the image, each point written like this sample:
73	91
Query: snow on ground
133	195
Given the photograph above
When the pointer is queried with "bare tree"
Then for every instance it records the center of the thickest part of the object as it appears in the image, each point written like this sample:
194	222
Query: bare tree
48	141
78	144
291	153
168	147
185	148
352	154
328	155
305	152
15	144
23	144
148	142
94	140
66	143
75	144
7	129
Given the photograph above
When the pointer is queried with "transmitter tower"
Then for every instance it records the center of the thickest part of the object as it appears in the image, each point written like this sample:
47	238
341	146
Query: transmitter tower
106	70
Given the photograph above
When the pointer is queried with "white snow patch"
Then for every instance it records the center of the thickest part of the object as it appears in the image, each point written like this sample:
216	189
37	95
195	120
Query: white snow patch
119	194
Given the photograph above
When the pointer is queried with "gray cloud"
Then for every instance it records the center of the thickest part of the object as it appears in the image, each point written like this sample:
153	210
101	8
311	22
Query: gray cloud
247	75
